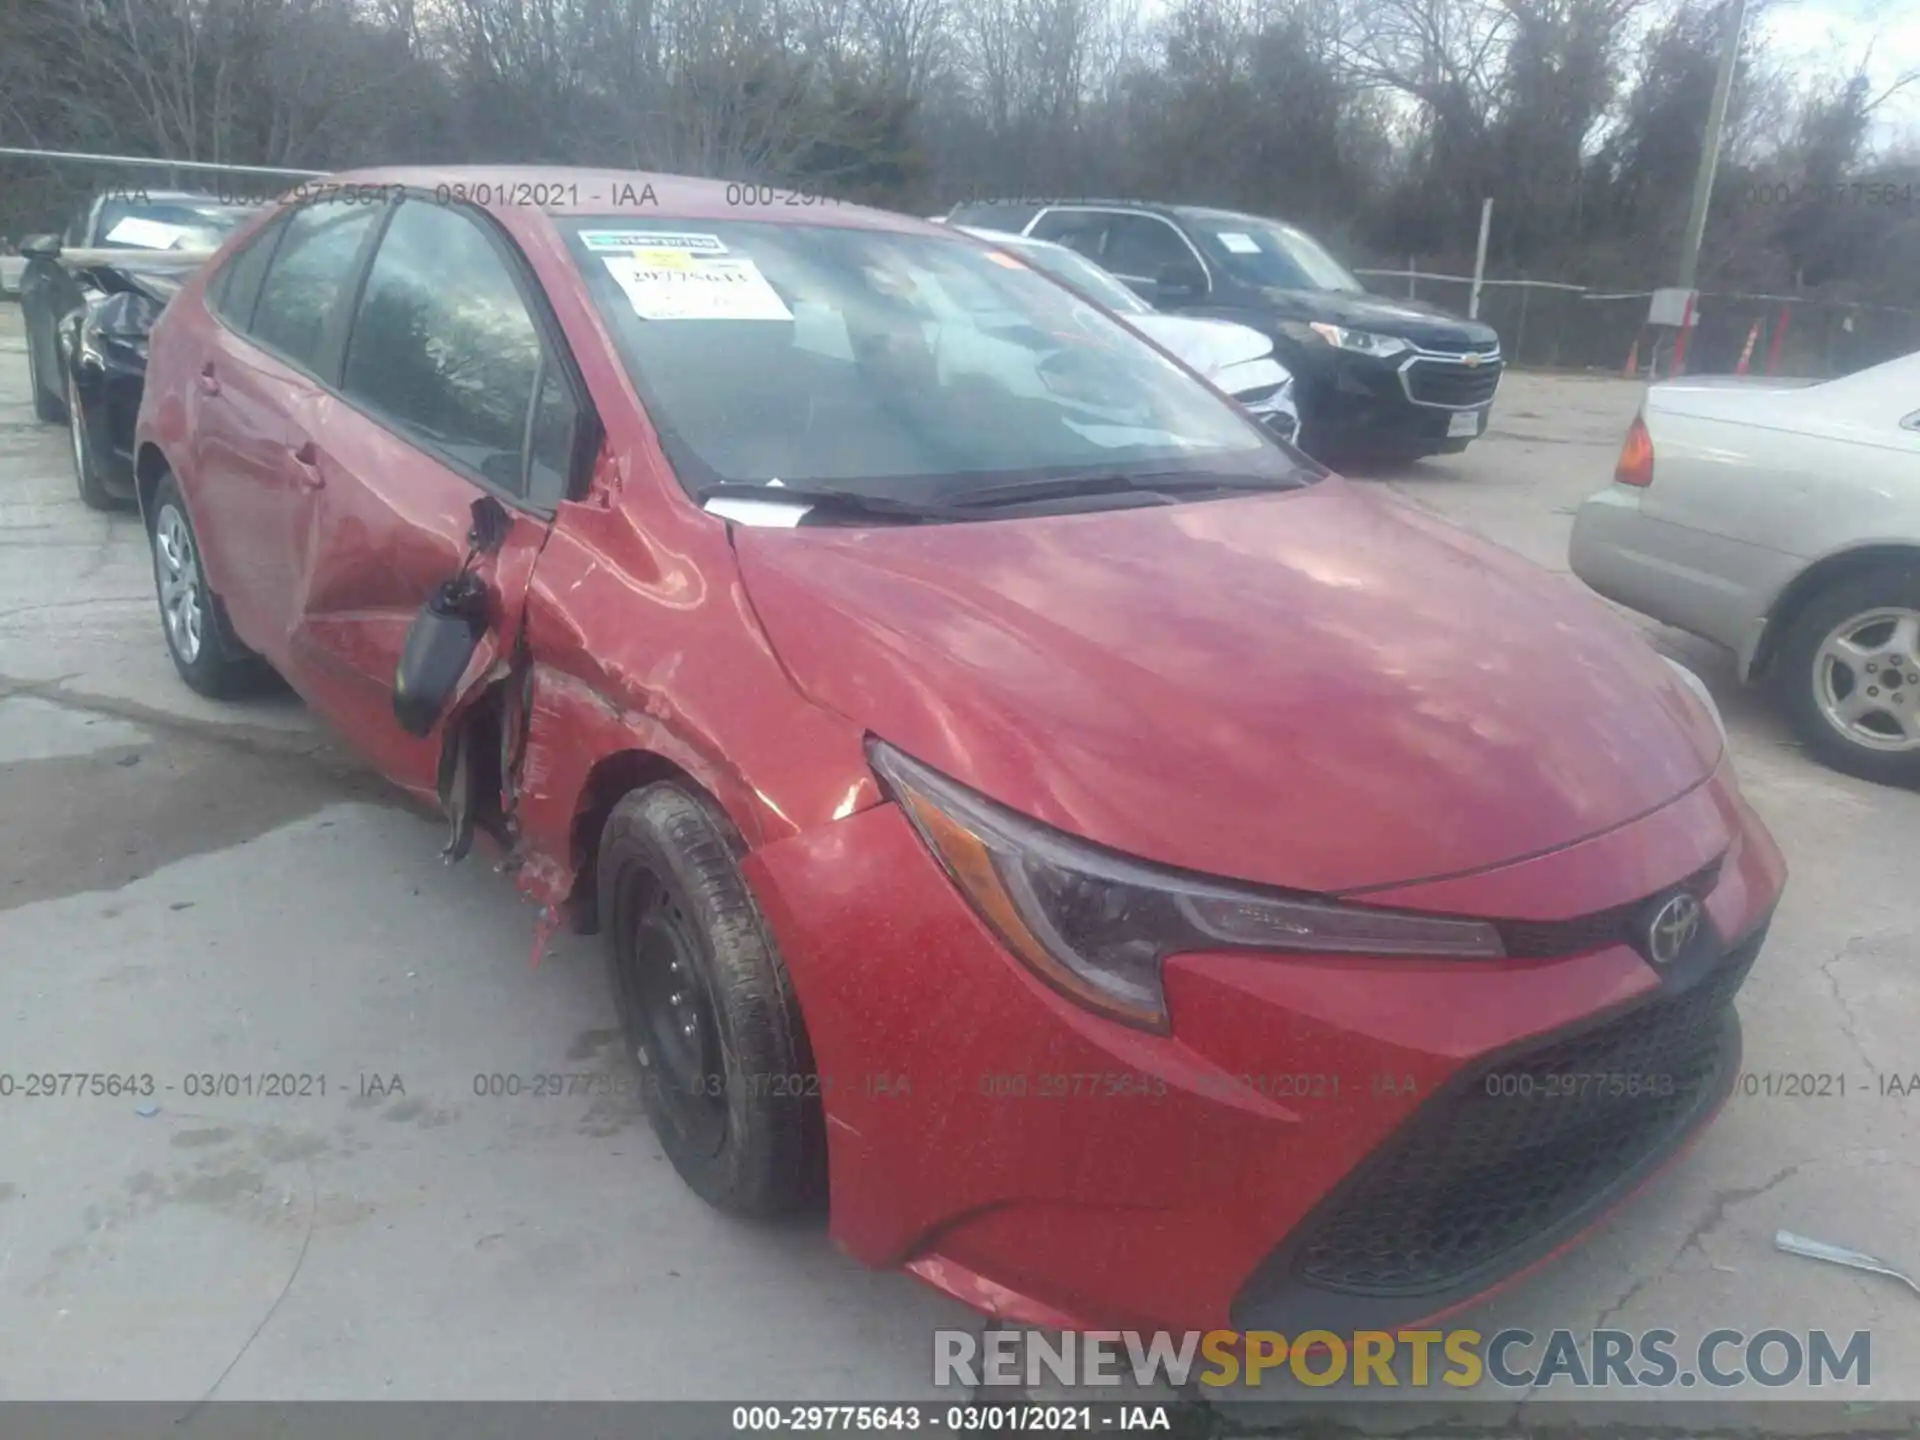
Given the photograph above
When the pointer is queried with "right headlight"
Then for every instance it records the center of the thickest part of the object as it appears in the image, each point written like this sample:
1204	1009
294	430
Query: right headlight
1097	926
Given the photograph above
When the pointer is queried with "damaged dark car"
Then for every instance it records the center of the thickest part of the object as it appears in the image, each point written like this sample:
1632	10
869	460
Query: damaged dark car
89	298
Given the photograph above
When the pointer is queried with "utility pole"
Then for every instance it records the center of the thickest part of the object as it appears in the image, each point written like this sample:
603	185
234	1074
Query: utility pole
1710	145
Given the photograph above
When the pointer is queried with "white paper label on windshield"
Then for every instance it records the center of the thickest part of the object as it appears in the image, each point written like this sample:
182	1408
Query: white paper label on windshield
675	285
631	240
1239	244
147	234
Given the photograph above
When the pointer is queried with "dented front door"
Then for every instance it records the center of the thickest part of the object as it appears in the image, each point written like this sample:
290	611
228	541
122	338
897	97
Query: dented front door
378	525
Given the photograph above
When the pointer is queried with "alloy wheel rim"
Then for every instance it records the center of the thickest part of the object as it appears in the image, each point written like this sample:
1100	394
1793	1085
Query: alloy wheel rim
675	1030
1866	679
177	566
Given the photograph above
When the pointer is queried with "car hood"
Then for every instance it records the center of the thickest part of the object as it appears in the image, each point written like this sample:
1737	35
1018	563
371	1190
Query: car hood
1209	346
1416	320
1316	689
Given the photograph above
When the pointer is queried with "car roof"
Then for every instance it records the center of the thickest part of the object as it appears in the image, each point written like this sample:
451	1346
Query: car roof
1007	237
197	197
630	196
1243	217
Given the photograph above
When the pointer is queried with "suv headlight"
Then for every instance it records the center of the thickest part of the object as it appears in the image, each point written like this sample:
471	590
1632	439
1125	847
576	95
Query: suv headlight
1361	342
1096	925
1700	692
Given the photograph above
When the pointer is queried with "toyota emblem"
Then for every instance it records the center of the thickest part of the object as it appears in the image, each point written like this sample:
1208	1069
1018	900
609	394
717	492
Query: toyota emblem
1672	929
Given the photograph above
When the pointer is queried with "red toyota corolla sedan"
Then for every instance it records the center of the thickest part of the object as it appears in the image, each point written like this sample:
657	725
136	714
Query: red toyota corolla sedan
1143	879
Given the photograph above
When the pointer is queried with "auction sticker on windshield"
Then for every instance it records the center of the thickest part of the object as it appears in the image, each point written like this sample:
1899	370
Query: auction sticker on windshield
668	284
1240	244
628	241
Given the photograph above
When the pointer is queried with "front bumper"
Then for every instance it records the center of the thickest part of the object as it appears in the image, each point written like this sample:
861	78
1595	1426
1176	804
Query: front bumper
1405	405
1058	1169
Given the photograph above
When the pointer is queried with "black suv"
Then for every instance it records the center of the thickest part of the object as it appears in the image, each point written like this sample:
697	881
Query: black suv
1373	376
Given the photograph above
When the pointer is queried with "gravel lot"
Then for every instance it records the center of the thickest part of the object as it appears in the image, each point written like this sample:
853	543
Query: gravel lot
194	888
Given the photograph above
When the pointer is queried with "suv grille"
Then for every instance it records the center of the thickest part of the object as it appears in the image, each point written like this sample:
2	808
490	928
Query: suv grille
1449	383
1522	1146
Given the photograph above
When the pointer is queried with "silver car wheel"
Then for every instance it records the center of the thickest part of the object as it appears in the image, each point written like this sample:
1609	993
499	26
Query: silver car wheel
177	567
1866	679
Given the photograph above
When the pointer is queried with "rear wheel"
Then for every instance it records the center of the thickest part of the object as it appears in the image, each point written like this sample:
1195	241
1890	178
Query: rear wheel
204	649
707	1009
1849	675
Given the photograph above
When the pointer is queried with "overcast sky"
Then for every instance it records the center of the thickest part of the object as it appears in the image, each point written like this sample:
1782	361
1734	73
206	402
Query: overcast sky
1834	35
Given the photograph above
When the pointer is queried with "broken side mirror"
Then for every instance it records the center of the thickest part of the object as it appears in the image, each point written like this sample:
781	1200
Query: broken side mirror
448	629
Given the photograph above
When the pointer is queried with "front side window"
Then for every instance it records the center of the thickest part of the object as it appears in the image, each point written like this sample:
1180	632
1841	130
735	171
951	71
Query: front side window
310	268
891	365
1259	252
442	343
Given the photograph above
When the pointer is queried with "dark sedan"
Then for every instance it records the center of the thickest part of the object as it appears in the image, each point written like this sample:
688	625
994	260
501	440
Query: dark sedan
89	297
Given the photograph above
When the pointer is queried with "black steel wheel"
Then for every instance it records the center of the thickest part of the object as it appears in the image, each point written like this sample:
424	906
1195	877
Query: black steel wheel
707	1008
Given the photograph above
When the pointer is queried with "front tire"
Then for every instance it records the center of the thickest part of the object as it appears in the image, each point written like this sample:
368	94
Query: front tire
707	1009
204	649
1848	675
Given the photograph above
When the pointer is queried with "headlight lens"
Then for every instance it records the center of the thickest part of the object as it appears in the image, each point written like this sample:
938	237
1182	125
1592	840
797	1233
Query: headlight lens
1361	342
1097	926
1700	692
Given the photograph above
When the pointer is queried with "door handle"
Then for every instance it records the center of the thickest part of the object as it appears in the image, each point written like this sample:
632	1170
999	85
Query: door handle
306	459
209	382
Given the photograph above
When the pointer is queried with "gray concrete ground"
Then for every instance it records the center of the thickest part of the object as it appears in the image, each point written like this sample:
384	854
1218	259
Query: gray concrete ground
189	888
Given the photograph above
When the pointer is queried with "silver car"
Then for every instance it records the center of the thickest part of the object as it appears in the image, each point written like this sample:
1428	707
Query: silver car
1233	358
1781	519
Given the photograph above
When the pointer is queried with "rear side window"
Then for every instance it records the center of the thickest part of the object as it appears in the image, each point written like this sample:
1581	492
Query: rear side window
1076	229
238	284
1142	246
442	344
312	265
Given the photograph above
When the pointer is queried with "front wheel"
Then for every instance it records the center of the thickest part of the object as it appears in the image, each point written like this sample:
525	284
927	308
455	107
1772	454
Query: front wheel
707	1009
1849	675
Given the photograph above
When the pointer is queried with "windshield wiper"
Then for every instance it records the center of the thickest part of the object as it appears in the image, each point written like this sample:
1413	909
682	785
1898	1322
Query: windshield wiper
1112	482
834	502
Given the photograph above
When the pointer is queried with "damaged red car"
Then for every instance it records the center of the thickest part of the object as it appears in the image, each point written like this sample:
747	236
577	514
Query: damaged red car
1134	877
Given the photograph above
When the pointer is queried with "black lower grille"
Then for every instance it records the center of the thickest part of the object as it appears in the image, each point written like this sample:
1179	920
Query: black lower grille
1449	382
1527	1144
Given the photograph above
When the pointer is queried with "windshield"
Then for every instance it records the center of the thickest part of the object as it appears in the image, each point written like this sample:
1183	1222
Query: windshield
167	224
903	366
1070	267
1260	252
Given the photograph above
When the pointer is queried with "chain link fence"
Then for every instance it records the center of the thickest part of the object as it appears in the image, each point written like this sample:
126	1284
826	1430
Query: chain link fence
1550	325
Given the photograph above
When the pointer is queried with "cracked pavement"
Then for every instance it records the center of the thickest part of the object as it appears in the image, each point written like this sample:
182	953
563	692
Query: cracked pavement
195	887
